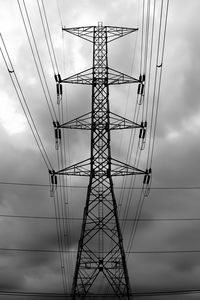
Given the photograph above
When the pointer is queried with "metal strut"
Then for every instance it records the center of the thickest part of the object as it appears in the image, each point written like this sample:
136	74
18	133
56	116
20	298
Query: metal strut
100	250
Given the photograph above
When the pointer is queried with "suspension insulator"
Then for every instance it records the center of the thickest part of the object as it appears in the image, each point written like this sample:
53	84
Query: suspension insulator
59	78
56	133
61	89
59	133
145	178
147	182
147	191
56	77
57	88
140	134
52	179
142	90
148	179
142	144
144	133
57	145
143	77
57	137
53	182
139	89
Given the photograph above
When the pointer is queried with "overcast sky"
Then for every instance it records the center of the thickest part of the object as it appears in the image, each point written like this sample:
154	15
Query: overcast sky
176	153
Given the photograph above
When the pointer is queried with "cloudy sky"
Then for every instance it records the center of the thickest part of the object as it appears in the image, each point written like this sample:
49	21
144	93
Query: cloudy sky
171	212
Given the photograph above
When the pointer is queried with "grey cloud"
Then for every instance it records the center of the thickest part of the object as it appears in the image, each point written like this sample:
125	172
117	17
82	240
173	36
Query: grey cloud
175	160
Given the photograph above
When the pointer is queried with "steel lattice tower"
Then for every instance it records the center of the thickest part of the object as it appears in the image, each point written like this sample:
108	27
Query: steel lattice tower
100	249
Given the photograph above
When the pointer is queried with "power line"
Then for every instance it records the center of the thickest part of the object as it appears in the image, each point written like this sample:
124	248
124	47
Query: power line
23	103
165	293
62	193
59	12
46	38
60	224
67	295
75	251
159	81
63	232
49	33
137	216
116	187
35	294
42	77
60	242
156	98
80	219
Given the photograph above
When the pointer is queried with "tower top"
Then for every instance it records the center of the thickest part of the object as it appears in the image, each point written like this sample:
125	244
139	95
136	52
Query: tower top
87	32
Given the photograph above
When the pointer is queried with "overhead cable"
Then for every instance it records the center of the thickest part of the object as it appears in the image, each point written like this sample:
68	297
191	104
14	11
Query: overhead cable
39	67
23	103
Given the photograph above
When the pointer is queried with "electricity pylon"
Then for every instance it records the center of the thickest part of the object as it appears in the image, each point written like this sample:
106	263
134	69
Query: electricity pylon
100	249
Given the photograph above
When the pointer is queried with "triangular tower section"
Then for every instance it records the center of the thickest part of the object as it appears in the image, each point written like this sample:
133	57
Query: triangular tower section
115	32
116	77
85	32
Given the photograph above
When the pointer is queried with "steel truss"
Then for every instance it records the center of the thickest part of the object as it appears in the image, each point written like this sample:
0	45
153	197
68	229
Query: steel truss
100	248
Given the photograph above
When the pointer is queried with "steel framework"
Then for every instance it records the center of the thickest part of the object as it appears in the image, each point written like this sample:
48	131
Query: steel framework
100	249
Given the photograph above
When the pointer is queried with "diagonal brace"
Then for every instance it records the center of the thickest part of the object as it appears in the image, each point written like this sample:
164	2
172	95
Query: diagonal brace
118	122
113	32
114	77
118	168
82	122
79	169
122	169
